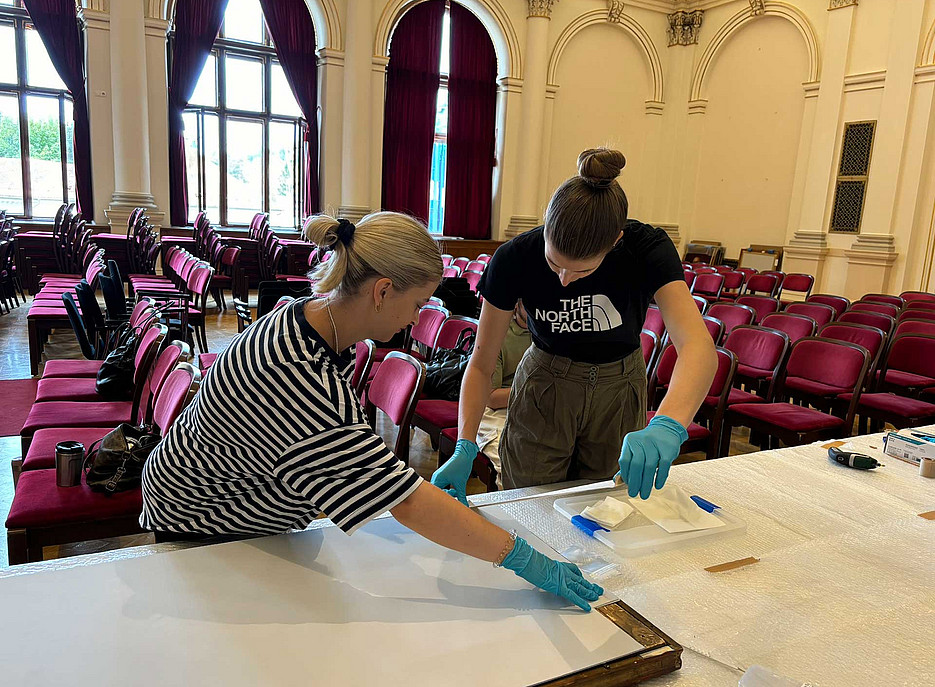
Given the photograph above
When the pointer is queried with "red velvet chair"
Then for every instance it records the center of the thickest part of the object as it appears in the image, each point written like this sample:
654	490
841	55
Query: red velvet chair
451	330
447	259
883	298
733	284
839	303
872	319
704	269
653	322
363	361
431	318
915	326
747	272
732	314
761	305
761	354
762	284
795	326
909	365
705	433
461	263
702	303
708	286
911	296
450	271
871	338
822	314
912	312
780	275
919	305
395	389
689	279
823	362
798	283
476	266
715	328
44	514
873	306
472	277
650	345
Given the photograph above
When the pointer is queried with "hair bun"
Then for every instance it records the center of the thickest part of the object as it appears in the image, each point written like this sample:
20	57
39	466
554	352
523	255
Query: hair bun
600	166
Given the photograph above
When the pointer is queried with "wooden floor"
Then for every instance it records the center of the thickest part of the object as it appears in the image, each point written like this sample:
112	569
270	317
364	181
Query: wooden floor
221	328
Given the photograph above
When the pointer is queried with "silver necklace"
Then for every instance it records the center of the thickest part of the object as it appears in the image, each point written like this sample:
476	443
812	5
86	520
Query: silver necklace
334	330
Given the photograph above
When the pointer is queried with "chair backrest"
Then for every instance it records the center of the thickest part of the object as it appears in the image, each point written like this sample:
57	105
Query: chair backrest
910	296
150	342
701	303
732	314
759	348
450	272
919	305
762	283
709	284
822	314
199	280
705	270
451	329
461	263
779	274
115	300
140	311
874	319
733	280
871	338
761	305
653	321
913	353
485	258
715	328
720	385
795	326
747	272
90	310
873	306
650	344
431	318
363	363
77	324
476	265
915	326
395	390
883	298
244	314
177	392
472	278
797	282
912	313
447	259
170	356
828	361
689	278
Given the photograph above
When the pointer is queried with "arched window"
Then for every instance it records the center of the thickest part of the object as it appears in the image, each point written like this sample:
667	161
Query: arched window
37	162
244	130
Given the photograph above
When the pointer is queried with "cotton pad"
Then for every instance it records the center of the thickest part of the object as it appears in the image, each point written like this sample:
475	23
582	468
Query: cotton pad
610	512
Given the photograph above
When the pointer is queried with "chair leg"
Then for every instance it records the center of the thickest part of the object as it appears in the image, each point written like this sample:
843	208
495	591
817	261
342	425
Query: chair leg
17	549
34	348
16	466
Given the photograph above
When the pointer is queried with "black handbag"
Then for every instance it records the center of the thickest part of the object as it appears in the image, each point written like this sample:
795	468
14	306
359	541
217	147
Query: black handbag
115	462
444	372
115	378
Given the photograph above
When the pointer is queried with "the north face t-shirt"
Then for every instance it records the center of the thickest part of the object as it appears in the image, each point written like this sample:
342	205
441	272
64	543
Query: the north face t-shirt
596	319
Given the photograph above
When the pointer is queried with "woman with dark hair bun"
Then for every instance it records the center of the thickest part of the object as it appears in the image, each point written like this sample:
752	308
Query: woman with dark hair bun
577	409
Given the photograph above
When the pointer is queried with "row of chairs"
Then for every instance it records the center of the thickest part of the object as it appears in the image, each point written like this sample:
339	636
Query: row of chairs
470	270
732	284
43	514
143	244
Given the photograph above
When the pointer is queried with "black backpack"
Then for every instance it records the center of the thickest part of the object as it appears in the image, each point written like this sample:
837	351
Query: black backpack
445	371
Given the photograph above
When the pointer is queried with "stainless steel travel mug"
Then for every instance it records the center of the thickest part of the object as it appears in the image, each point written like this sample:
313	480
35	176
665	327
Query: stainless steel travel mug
69	459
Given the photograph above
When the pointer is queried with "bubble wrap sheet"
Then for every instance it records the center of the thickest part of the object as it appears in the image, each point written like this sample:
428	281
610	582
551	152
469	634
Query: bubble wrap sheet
842	595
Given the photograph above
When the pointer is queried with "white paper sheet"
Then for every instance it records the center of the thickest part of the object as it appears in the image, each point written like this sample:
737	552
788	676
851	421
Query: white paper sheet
318	607
673	510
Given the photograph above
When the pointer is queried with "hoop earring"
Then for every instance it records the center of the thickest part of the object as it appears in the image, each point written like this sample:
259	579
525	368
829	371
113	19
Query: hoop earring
379	307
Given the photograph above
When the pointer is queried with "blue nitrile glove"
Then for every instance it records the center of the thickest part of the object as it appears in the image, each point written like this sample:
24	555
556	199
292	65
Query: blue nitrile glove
454	474
649	453
563	579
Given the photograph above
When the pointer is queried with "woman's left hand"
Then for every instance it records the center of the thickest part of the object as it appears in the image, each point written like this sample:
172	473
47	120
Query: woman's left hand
648	454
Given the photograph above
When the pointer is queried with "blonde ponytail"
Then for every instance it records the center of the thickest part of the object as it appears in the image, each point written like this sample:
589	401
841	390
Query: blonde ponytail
383	244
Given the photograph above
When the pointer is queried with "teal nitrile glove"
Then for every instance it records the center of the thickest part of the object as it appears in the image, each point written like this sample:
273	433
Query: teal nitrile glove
563	579
455	473
649	453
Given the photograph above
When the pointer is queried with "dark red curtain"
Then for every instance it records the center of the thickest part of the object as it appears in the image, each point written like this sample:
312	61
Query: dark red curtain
290	25
409	114
472	114
197	23
57	24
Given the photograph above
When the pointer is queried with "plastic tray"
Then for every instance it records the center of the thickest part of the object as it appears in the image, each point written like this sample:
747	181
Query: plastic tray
639	536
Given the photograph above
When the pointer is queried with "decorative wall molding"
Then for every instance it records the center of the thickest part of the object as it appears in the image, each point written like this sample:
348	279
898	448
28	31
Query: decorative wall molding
868	81
838	4
156	28
654	107
811	88
551	90
928	49
379	64
684	27
490	13
628	24
96	5
94	19
814	240
510	85
540	8
699	106
879	243
615	11
327	57
737	22
925	74
757	7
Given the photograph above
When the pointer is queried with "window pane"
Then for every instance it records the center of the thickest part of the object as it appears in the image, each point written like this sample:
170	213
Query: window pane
441	113
45	155
206	90
437	187
243	21
11	172
190	122
70	150
446	43
39	69
8	47
244	84
244	170
282	174
283	102
212	146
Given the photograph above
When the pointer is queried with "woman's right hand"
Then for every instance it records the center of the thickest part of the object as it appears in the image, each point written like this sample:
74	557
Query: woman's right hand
453	476
563	579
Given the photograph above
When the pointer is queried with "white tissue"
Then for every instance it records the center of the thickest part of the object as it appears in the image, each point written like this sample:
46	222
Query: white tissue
610	512
674	511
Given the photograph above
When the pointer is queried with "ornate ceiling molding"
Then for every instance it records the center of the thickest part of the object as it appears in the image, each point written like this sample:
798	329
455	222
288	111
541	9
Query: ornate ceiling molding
838	4
615	11
757	7
684	27
540	8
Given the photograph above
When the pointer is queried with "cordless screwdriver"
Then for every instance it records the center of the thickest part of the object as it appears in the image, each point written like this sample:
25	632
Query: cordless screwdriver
851	459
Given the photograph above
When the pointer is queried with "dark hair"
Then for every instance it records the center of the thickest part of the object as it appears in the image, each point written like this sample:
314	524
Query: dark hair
587	213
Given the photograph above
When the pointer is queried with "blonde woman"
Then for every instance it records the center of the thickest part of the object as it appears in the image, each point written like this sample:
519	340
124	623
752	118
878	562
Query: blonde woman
276	436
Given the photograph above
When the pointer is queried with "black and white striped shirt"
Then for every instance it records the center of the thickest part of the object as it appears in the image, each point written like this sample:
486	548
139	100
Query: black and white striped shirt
275	437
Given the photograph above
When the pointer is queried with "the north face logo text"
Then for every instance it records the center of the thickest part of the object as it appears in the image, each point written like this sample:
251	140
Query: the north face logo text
585	314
